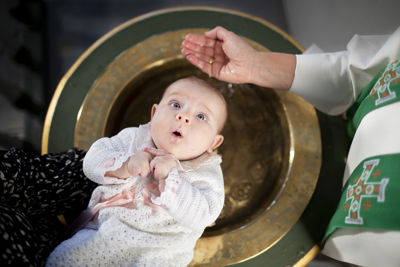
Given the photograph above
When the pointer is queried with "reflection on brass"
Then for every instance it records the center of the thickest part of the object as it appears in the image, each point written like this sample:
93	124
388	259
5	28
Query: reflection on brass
311	254
271	153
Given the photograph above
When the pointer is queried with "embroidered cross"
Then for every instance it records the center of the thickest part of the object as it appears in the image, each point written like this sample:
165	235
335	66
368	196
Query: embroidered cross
361	189
382	86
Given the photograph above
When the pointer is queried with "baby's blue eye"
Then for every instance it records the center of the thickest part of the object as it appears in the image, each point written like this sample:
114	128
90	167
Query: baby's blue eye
201	116
175	105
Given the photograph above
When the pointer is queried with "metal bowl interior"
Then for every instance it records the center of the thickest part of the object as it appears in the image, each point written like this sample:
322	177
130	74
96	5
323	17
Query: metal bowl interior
256	147
271	153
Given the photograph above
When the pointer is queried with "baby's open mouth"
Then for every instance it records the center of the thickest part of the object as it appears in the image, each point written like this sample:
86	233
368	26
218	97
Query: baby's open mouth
176	133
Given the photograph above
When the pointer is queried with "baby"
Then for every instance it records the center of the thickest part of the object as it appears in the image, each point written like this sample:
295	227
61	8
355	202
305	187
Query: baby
161	185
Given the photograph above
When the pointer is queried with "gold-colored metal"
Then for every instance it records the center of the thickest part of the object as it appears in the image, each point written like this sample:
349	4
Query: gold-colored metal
271	153
60	87
310	255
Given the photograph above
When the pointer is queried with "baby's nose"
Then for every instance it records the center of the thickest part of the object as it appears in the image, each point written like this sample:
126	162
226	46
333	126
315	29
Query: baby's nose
183	118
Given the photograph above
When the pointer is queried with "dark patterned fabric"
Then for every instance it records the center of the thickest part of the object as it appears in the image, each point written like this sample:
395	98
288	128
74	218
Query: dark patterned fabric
34	190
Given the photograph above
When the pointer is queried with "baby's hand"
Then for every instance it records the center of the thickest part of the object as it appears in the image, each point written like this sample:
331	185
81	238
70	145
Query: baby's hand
161	165
139	164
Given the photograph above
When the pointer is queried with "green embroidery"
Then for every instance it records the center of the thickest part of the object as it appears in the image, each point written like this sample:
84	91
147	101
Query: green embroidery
383	90
371	196
362	188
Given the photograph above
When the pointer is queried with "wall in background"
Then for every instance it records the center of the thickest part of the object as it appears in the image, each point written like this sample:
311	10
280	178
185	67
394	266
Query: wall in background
331	23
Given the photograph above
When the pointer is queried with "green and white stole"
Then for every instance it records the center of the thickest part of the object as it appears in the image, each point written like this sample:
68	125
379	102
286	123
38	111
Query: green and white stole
371	196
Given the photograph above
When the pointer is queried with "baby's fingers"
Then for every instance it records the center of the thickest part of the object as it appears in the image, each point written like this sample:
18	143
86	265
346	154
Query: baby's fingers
161	185
155	152
142	170
158	170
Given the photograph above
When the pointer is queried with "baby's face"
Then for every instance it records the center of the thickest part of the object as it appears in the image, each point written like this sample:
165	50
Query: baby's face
187	120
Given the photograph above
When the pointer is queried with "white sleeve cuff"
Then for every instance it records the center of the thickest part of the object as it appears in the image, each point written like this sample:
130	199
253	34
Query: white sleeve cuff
113	164
323	80
167	198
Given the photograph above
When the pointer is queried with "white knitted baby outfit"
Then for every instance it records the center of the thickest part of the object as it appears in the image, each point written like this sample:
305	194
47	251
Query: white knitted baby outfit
120	236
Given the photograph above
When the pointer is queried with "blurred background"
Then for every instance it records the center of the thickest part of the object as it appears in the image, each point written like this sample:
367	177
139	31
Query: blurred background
41	39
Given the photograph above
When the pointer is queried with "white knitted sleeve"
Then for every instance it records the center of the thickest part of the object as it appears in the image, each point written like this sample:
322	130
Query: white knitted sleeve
107	154
195	202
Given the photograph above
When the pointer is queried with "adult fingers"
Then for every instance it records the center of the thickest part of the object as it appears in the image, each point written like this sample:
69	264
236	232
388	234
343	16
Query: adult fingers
196	60
218	33
229	43
211	67
220	60
216	54
200	40
204	57
193	47
207	63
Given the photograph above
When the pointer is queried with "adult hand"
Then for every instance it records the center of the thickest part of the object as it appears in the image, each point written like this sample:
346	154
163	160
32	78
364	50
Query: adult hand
220	53
226	56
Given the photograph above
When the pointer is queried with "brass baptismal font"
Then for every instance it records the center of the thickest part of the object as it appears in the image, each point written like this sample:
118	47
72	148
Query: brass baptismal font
272	149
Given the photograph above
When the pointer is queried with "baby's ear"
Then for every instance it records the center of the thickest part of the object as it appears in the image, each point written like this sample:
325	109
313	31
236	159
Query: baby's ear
153	110
218	139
